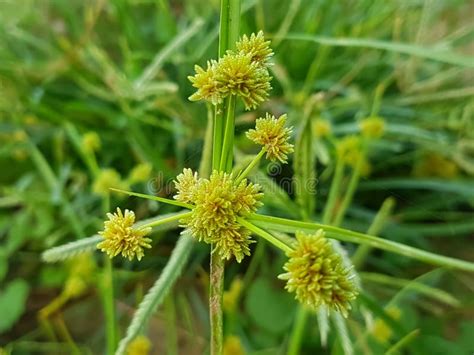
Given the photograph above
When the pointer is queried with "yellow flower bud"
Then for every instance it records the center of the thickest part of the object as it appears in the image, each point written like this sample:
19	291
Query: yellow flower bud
321	128
141	345
91	142
372	127
233	346
140	173
107	179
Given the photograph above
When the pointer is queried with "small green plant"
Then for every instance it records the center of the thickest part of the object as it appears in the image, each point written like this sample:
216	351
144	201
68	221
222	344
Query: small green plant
220	204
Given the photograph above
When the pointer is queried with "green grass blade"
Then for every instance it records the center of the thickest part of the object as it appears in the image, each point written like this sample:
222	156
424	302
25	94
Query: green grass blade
431	53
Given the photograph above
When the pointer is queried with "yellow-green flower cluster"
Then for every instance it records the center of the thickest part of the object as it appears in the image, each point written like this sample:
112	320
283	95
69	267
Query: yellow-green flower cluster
272	134
242	72
321	128
141	345
122	237
315	272
349	150
372	127
218	202
107	179
91	142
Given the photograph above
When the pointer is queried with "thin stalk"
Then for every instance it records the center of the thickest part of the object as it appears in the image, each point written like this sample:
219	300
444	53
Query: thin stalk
377	224
265	235
334	191
109	307
166	220
228	143
155	198
351	188
228	35
291	226
107	291
298	331
217	137
249	168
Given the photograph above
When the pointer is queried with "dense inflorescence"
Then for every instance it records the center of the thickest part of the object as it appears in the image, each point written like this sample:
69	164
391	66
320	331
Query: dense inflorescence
242	72
272	134
217	203
122	237
315	272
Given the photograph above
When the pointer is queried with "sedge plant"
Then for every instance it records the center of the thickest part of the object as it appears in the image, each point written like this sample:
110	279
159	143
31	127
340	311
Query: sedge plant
219	205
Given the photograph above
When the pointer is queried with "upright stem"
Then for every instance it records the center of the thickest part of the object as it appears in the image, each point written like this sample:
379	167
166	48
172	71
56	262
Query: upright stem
222	160
334	191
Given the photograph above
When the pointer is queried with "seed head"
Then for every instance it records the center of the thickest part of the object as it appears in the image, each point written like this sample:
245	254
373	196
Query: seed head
238	75
272	134
121	237
208	88
372	127
317	275
218	201
255	46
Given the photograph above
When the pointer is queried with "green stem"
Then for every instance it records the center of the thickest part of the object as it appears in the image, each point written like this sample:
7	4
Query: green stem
377	224
155	198
217	137
222	159
334	191
353	182
291	226
166	220
249	168
265	235
109	307
298	331
228	144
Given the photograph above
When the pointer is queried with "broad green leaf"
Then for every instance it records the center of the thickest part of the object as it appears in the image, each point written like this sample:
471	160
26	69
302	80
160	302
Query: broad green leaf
12	303
269	308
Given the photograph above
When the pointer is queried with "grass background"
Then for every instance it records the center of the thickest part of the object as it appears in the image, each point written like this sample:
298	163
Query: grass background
119	68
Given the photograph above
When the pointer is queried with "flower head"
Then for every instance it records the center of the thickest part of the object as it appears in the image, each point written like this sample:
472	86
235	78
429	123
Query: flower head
107	179
317	275
255	46
238	75
321	128
185	183
140	173
272	134
91	142
372	127
209	89
218	202
122	237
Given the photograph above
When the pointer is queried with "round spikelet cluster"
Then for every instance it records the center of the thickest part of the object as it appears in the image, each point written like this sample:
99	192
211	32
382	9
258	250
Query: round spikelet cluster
218	202
317	275
272	134
122	237
239	76
372	127
242	72
255	46
208	88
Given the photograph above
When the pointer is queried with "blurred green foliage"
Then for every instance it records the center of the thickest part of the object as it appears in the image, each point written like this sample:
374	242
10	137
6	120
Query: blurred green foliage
119	68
